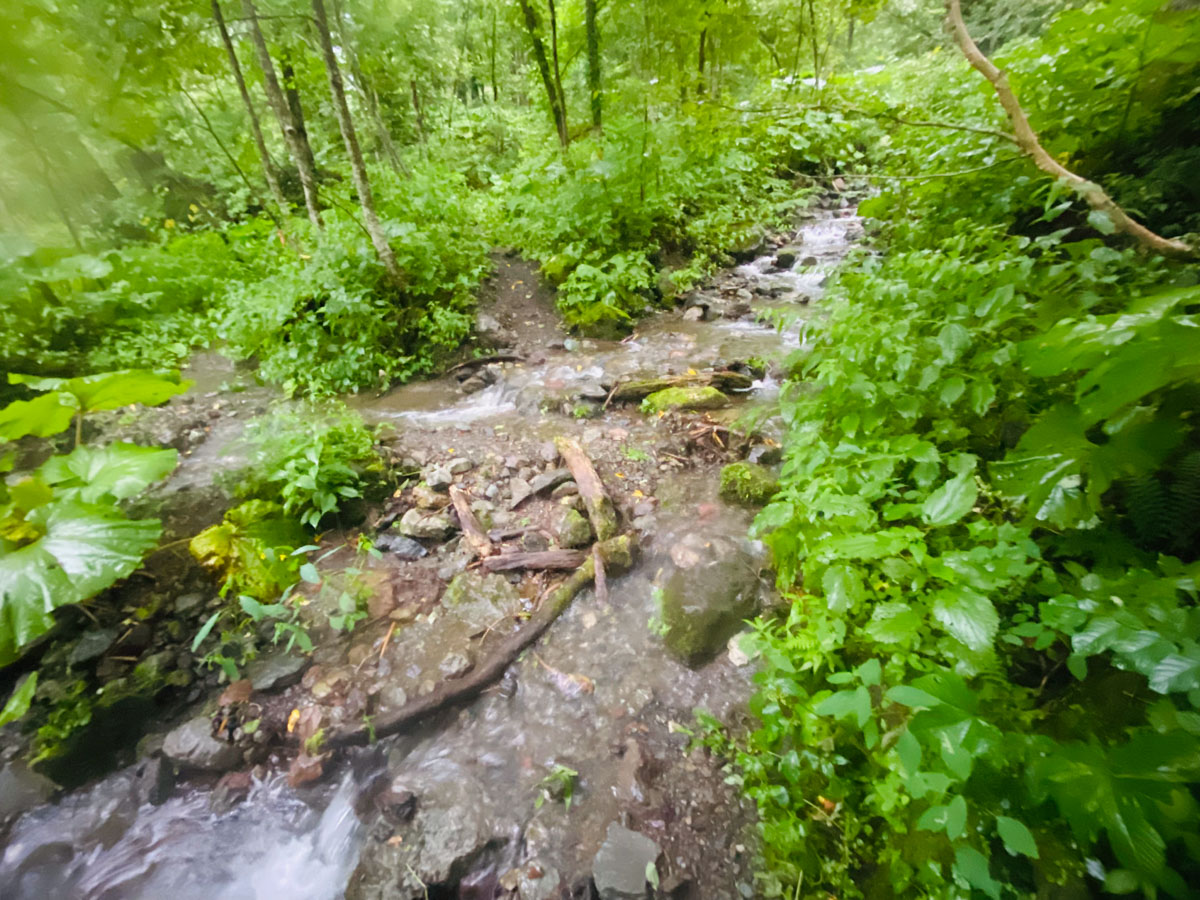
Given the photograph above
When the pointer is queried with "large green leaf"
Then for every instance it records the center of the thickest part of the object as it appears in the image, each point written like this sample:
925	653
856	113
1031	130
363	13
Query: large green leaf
118	470
951	501
42	416
967	616
111	390
83	549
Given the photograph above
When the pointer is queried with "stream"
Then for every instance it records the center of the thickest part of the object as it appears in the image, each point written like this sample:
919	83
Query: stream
601	695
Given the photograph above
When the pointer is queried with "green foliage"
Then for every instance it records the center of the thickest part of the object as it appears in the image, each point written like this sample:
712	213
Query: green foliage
252	550
559	785
19	700
747	484
311	461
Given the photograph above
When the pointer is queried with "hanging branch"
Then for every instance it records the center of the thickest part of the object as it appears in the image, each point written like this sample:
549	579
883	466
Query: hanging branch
1027	140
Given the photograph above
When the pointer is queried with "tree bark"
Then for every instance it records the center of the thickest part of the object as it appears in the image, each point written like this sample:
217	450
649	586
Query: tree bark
558	85
700	62
600	508
492	60
1027	140
543	64
593	52
416	99
358	168
264	155
296	147
292	94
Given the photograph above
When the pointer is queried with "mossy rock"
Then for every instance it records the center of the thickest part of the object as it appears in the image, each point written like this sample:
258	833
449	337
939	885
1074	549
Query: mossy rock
748	484
684	398
702	607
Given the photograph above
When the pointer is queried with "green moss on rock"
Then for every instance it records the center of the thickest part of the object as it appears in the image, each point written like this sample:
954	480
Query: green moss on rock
684	398
747	484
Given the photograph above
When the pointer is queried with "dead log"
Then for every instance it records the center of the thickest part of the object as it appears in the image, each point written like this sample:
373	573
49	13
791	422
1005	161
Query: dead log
486	360
723	380
536	559
474	534
595	498
617	554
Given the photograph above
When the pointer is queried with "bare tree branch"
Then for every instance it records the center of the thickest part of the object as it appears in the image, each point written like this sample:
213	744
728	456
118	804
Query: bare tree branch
1027	140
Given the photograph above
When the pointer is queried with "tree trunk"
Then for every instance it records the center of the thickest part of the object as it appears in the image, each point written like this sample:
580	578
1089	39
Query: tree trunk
593	52
1027	140
287	124
700	62
358	168
296	108
558	85
492	60
543	64
416	98
264	155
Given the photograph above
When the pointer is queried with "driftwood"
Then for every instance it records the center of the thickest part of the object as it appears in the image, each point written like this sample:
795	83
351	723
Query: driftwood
473	533
1027	140
617	554
486	360
595	498
537	559
723	380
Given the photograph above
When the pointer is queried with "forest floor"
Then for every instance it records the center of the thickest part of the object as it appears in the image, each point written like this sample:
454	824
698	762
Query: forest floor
574	770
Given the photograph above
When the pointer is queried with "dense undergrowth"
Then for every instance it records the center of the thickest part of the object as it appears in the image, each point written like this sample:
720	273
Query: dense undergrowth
988	680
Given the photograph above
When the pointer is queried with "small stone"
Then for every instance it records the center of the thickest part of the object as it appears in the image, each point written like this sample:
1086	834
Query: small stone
187	602
765	454
785	259
427	498
567	489
192	746
392	696
279	670
473	385
403	547
538	881
520	490
455	665
694	313
418	523
460	465
808	262
549	480
439	478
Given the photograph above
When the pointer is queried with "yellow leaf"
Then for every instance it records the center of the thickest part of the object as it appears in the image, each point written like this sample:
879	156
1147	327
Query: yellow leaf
691	371
293	718
170	223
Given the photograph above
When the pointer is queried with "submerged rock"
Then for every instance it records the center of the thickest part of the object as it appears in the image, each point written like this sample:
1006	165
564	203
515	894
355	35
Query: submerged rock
620	867
684	398
747	484
705	602
192	746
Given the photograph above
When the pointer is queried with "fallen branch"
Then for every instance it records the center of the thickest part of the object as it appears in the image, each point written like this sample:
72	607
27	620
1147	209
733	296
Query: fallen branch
723	380
1027	140
536	559
473	533
617	554
486	360
595	498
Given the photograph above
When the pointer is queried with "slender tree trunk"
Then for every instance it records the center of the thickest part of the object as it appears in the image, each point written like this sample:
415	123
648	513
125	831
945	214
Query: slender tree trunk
264	155
492	54
416	100
543	64
593	52
701	62
292	93
358	168
1027	140
51	185
558	85
287	124
812	20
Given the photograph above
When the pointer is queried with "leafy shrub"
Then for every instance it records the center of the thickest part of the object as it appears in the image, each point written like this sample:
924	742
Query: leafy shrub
312	461
252	550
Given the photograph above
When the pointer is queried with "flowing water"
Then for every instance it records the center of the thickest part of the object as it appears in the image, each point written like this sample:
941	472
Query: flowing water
484	764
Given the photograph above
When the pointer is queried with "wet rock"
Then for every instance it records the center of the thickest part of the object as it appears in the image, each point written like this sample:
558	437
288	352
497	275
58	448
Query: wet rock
765	454
449	837
520	489
154	780
427	498
481	600
752	246
278	670
392	696
426	525
704	604
187	603
567	489
473	385
231	790
737	310
455	665
402	546
808	262
619	869
570	528
785	259
488	324
537	881
191	746
21	789
549	481
534	541
747	484
684	398
694	314
92	645
460	465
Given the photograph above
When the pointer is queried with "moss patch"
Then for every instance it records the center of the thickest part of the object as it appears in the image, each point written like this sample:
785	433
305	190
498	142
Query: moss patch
747	484
685	398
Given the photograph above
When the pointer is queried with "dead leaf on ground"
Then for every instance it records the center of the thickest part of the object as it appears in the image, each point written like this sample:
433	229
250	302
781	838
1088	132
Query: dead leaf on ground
237	692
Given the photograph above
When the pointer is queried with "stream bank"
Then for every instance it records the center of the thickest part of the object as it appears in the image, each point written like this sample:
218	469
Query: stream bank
476	801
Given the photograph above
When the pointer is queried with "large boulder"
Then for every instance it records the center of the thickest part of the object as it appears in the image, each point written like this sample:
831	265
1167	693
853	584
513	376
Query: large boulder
712	589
